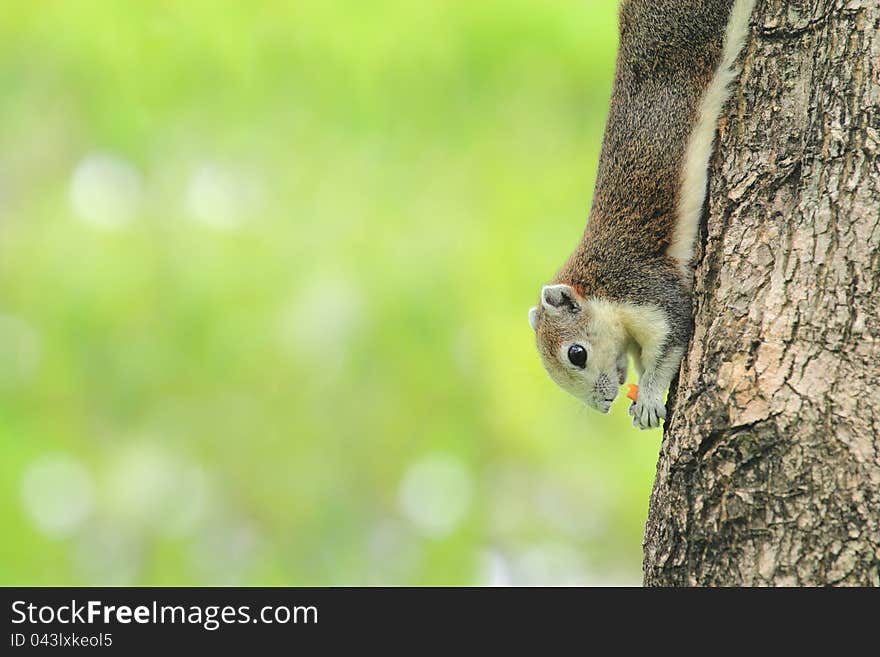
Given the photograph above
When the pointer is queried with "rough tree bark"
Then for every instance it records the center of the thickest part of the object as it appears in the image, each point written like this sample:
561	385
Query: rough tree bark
769	471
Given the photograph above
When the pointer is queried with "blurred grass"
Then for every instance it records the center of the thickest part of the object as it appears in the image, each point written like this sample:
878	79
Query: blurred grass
341	213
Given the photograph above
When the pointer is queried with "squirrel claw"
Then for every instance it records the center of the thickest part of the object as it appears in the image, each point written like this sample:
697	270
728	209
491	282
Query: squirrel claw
647	415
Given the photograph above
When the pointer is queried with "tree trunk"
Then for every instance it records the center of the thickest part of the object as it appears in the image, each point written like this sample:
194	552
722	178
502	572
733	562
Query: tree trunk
769	471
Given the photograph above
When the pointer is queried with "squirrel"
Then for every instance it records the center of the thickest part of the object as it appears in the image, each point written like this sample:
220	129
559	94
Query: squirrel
626	289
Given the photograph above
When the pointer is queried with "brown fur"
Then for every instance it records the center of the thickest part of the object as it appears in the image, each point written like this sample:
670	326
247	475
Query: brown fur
669	51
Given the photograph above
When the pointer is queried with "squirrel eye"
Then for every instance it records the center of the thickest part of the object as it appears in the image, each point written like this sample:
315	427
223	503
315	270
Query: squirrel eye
577	356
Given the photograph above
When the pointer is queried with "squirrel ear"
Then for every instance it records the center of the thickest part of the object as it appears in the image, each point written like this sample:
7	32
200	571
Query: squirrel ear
533	318
556	298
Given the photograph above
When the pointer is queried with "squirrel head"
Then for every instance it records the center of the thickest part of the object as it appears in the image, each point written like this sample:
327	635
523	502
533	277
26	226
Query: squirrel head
582	343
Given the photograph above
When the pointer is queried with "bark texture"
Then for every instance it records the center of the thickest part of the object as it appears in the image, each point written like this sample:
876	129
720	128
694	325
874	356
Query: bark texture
769	472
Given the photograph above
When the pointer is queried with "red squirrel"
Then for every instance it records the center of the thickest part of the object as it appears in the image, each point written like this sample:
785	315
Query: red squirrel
626	289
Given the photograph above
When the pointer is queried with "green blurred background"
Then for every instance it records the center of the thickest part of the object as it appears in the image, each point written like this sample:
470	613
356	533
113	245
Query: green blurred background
264	276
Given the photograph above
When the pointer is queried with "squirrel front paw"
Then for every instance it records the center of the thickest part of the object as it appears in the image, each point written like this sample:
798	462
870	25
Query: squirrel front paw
647	413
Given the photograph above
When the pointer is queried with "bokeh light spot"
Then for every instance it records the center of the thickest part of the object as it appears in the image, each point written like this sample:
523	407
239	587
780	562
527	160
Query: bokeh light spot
149	487
435	494
105	191
495	569
57	495
221	198
107	556
321	322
